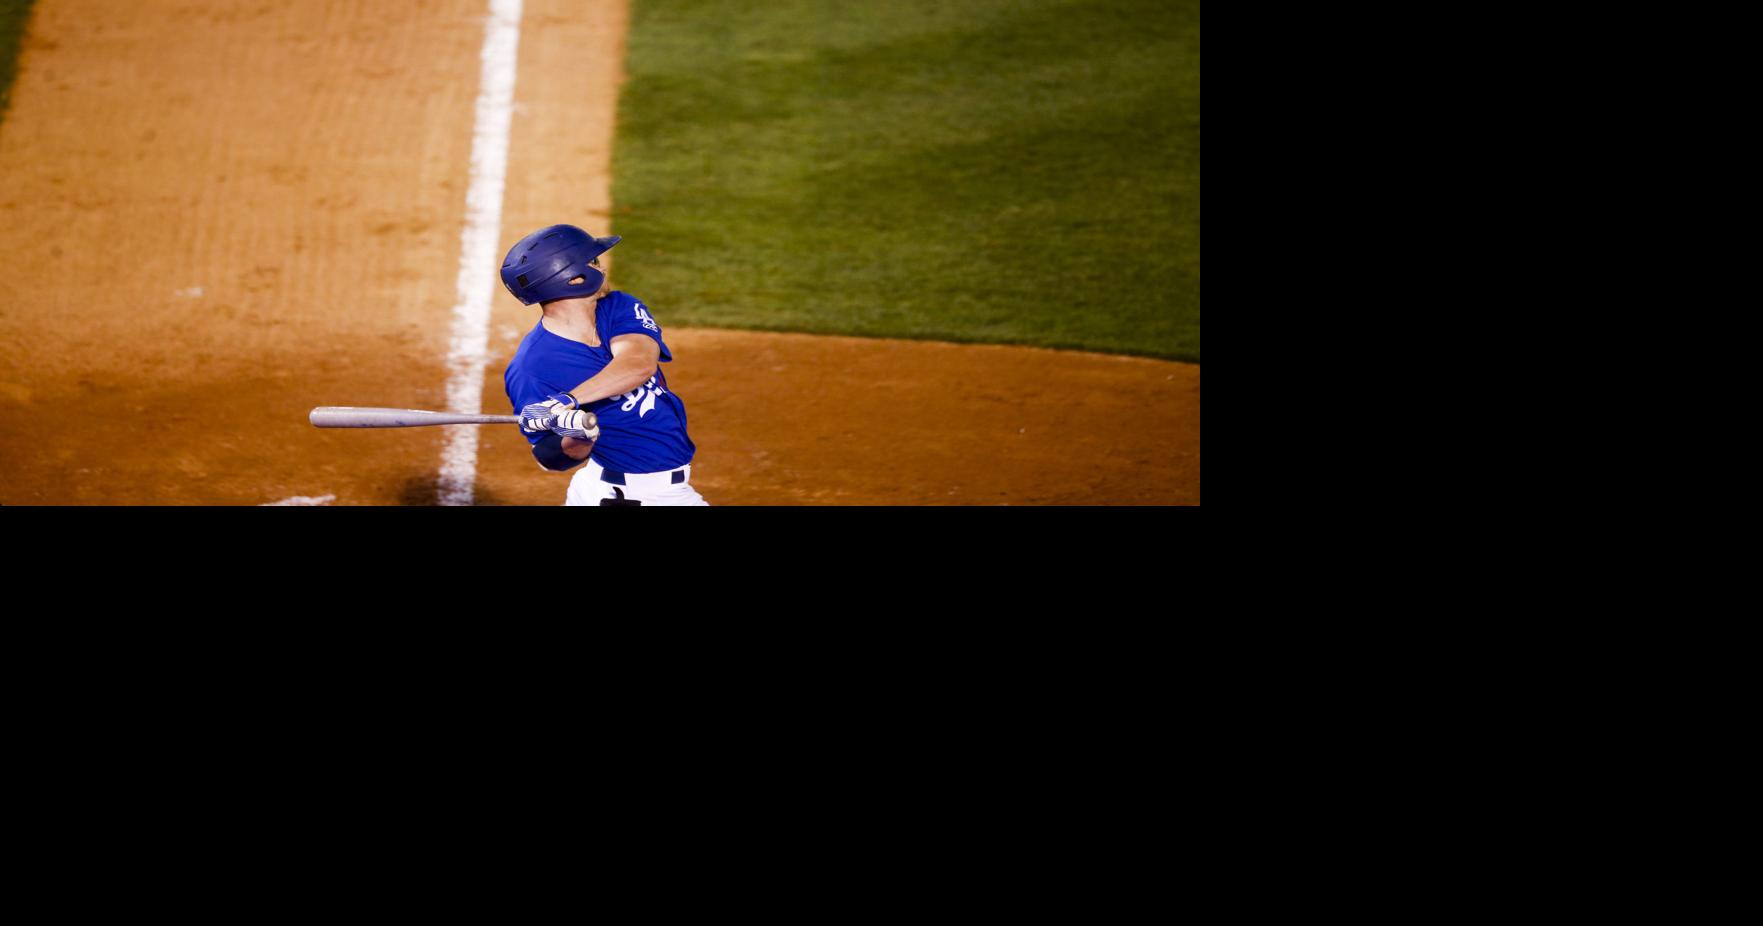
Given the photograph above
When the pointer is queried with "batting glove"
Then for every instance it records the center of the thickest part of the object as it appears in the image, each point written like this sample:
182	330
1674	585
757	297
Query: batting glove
577	424
539	415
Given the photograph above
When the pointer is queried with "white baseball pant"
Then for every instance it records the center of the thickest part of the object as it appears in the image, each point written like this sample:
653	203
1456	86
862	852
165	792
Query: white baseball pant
595	485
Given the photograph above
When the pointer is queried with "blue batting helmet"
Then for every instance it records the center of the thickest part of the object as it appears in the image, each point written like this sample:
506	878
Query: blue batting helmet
539	267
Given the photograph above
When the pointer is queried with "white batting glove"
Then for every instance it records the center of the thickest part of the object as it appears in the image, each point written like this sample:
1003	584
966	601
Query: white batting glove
577	424
539	415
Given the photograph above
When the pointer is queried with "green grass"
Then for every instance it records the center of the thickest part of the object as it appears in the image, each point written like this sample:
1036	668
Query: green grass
13	14
1013	171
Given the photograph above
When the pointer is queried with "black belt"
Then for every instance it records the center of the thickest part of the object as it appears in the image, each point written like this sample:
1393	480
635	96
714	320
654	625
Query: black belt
617	478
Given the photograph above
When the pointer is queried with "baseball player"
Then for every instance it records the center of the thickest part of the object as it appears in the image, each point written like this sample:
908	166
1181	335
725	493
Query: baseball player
587	381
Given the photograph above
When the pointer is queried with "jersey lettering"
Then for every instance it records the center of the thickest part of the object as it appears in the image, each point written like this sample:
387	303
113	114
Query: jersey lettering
647	320
645	394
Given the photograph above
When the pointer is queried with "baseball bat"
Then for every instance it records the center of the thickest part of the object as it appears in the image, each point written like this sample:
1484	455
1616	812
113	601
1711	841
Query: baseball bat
346	417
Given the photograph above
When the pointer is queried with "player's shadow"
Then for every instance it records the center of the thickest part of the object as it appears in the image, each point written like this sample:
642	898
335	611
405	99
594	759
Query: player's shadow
425	492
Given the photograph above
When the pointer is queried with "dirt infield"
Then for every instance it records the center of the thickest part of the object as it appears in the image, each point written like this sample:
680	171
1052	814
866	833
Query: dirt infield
219	214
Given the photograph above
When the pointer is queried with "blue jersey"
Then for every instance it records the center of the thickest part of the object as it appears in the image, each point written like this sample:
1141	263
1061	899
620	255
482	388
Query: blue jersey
642	431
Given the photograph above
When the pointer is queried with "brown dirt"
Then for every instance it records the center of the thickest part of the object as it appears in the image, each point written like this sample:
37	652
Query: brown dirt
219	214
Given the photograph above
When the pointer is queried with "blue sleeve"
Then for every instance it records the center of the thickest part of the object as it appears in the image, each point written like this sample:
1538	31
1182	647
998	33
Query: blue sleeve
522	390
630	315
548	450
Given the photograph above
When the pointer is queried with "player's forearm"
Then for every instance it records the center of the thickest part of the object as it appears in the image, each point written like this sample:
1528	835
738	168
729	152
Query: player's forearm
619	377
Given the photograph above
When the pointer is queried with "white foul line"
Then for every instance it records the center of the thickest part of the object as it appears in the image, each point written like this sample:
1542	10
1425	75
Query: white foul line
299	501
480	251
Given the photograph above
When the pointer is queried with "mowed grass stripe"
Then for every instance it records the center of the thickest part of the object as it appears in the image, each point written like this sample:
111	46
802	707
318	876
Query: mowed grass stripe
1014	171
13	16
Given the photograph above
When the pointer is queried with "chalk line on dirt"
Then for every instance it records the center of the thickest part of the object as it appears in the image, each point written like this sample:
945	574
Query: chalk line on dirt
300	501
479	247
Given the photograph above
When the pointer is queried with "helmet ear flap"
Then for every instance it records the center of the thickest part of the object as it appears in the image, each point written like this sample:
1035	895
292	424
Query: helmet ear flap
591	280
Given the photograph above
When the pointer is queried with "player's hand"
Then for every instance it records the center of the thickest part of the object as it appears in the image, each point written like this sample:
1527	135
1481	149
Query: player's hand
539	415
577	424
